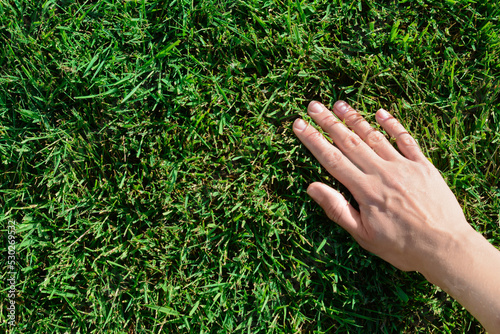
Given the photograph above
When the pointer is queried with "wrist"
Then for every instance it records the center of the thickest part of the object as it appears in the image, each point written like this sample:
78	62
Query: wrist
467	267
455	252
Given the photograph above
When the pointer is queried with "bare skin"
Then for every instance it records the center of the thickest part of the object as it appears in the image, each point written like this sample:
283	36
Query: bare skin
407	214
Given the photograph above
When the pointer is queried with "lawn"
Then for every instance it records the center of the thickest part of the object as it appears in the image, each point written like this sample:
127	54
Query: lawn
155	184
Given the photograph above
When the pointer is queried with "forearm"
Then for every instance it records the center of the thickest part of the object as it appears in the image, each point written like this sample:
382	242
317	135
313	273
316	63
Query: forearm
468	268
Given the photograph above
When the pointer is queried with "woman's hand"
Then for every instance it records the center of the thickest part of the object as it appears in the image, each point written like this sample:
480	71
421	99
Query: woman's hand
407	214
406	210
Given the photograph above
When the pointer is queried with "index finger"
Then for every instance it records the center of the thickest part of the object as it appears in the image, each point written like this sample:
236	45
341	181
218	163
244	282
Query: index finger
330	157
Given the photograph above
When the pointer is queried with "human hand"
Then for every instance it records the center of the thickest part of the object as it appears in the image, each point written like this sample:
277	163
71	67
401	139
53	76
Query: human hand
407	214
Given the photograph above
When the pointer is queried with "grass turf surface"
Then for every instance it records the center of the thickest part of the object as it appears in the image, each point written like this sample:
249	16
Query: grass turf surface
150	167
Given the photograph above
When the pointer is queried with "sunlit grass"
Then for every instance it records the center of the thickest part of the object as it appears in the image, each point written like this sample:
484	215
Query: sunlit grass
149	162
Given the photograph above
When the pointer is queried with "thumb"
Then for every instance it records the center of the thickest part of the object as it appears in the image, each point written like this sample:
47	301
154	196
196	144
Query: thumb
336	206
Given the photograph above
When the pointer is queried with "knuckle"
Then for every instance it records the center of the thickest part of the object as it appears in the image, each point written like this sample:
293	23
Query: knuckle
354	119
423	169
315	136
334	210
350	142
374	137
394	126
426	168
330	121
404	138
333	158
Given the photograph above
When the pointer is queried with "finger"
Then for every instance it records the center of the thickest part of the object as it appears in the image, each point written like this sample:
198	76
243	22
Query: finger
329	156
373	138
347	141
406	144
336	207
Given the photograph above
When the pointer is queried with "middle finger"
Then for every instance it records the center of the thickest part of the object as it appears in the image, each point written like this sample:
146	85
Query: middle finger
373	138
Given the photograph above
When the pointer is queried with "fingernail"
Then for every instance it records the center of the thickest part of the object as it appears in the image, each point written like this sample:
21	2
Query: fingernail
383	114
300	124
315	107
341	107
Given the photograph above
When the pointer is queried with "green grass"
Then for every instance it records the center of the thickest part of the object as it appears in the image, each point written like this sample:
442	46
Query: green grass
149	162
